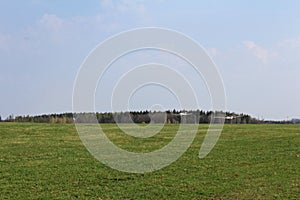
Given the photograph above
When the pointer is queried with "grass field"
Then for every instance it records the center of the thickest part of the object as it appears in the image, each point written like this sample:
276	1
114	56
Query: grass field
48	161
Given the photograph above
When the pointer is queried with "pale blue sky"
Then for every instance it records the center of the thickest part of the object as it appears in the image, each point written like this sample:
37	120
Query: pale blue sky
255	44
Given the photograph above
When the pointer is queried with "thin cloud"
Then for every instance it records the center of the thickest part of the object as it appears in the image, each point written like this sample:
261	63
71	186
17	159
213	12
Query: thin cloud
212	52
258	51
124	6
51	22
292	43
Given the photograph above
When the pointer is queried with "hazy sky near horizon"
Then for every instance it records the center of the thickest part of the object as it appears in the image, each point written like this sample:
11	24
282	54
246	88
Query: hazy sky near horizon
255	45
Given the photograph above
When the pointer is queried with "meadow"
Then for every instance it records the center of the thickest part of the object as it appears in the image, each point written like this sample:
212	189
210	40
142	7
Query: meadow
49	161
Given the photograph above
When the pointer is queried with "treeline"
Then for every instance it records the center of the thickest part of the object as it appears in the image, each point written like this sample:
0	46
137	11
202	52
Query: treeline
46	118
172	117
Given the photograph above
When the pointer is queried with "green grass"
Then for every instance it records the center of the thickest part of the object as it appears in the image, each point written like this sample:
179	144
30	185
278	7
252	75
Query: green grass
48	161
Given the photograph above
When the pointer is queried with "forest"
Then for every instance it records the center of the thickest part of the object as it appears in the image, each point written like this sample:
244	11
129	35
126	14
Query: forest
170	117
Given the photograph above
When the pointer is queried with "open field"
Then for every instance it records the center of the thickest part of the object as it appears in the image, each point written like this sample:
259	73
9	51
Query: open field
248	162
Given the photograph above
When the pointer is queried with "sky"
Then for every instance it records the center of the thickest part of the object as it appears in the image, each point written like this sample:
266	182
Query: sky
254	44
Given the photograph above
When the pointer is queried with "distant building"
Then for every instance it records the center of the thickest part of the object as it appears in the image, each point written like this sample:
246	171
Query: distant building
295	121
